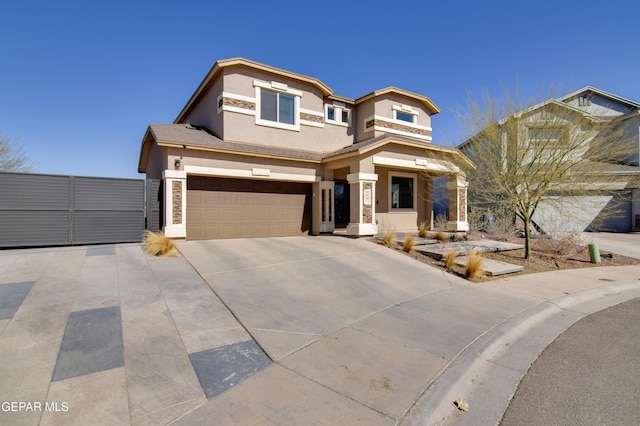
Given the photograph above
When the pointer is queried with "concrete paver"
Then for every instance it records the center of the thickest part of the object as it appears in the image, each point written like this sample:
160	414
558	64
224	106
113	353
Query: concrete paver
354	332
278	396
492	267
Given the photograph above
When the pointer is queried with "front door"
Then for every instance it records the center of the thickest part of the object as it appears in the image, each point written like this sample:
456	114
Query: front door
341	191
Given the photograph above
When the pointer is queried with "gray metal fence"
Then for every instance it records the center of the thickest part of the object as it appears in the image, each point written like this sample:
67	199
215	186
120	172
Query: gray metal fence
46	210
154	204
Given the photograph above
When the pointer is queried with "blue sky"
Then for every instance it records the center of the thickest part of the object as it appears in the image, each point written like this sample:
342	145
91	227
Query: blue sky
81	80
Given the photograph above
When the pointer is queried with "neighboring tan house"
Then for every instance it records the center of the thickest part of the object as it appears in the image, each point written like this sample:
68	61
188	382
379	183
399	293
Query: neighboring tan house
612	200
260	151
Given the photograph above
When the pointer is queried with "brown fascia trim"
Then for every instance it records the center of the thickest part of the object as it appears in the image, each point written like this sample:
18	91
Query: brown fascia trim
219	65
343	99
433	108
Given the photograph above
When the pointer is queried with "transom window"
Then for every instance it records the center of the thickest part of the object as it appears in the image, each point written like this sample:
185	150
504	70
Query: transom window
277	106
404	116
403	192
405	113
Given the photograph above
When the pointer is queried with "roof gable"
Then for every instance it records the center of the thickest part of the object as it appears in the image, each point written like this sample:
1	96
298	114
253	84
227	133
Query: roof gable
428	103
590	91
214	72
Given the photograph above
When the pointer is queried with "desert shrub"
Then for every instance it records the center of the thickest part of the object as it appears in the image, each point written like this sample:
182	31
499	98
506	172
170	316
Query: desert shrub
449	259
440	236
409	243
422	230
473	268
157	244
564	243
388	237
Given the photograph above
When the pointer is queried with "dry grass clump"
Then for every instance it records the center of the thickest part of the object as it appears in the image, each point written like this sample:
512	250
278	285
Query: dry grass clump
473	268
422	230
449	259
388	238
409	243
157	244
441	236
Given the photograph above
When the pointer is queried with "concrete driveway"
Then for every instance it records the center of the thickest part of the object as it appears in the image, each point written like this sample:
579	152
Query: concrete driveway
356	326
298	330
624	244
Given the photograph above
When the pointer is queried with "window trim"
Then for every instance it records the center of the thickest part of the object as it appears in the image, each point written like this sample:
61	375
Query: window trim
405	109
338	110
553	129
413	176
277	87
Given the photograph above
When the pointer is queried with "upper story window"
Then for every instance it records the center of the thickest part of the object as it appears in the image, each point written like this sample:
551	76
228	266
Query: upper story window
405	113
337	114
278	105
545	134
584	100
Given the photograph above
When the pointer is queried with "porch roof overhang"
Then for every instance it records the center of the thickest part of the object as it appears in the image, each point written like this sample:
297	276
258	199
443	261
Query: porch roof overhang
441	153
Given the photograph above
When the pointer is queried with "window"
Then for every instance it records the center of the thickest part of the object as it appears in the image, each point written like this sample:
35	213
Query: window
584	101
402	192
337	114
545	134
405	113
404	116
277	106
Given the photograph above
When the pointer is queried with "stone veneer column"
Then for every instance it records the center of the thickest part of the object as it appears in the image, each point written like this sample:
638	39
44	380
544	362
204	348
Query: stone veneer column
457	186
366	194
175	203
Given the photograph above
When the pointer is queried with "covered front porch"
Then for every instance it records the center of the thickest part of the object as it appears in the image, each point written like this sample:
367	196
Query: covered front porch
388	185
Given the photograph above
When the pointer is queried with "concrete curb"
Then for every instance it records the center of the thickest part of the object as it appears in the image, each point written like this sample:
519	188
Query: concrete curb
487	372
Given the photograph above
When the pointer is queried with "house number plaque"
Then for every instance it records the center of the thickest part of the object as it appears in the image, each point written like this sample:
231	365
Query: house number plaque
367	197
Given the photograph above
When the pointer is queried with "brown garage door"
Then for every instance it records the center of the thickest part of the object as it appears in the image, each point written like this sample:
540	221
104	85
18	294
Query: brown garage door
231	208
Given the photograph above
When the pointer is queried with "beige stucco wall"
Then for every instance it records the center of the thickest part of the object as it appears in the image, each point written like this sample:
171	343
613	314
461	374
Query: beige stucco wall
243	128
384	107
157	162
365	109
205	111
241	162
401	221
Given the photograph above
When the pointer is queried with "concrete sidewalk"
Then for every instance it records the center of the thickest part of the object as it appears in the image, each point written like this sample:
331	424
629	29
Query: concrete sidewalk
299	330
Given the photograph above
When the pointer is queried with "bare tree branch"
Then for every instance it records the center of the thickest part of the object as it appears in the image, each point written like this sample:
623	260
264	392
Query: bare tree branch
531	152
11	157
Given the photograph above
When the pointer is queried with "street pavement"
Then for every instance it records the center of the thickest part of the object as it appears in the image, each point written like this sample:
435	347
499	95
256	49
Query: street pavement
299	330
589	375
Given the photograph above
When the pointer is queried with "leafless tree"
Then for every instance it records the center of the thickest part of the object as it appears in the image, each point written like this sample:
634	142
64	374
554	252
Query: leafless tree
11	157
530	152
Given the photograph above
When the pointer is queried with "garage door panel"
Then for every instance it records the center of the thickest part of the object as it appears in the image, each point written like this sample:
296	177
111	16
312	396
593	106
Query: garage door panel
228	208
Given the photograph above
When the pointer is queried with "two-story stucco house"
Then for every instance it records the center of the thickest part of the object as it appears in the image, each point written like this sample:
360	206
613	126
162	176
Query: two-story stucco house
589	130
261	151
